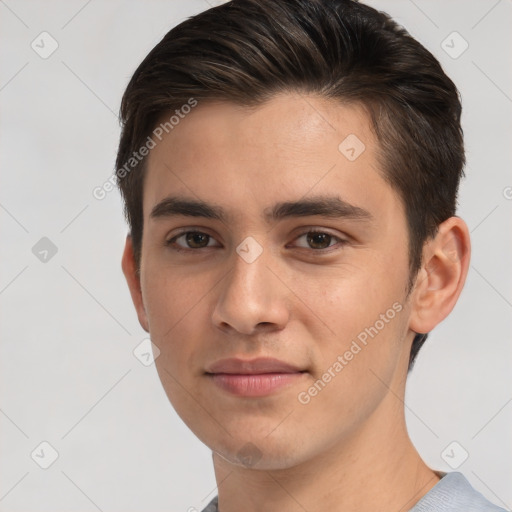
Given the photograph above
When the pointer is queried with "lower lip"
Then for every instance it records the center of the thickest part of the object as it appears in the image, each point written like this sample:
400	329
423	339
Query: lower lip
255	384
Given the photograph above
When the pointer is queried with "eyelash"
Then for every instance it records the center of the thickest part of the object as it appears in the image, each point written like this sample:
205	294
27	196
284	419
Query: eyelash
340	241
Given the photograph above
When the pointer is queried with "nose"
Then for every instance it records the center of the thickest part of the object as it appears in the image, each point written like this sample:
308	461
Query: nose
252	298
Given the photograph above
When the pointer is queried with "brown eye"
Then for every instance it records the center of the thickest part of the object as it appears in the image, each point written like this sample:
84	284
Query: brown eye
196	240
319	240
190	240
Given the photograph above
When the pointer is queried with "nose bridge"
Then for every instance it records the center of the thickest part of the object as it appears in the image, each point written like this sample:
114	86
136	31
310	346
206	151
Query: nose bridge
250	294
249	279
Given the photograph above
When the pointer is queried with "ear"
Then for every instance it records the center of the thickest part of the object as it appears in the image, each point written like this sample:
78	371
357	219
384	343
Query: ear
133	280
442	275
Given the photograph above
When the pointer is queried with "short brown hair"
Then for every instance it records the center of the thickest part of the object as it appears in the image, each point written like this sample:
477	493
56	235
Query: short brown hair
246	51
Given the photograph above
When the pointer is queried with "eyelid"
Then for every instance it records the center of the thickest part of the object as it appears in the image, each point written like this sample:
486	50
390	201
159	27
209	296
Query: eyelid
189	229
184	231
341	241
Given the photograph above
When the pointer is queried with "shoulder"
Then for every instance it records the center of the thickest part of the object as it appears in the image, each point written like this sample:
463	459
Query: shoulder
212	506
453	493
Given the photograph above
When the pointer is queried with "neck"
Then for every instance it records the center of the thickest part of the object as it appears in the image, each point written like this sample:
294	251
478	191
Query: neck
377	468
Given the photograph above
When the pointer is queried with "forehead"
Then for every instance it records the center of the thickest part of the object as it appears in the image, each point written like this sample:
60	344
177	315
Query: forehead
288	147
292	121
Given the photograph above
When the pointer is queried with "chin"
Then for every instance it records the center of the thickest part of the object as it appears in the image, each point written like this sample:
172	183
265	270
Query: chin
259	453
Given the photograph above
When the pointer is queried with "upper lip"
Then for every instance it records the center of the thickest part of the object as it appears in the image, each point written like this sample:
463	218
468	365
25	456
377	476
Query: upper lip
252	366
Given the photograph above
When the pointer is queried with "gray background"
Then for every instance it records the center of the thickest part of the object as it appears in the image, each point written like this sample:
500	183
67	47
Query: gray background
68	373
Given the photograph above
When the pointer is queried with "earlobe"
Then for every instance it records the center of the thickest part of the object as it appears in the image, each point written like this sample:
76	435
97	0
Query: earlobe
133	279
442	275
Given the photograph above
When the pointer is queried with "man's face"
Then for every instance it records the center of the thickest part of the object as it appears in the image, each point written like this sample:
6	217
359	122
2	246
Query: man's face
321	290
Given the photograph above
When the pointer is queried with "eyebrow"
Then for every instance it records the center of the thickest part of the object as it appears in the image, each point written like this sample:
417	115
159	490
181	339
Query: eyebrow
325	206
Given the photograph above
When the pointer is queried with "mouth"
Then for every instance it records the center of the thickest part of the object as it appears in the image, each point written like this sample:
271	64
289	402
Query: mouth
255	377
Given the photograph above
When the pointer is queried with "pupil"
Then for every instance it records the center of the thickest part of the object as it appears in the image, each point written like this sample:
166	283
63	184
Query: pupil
319	240
197	239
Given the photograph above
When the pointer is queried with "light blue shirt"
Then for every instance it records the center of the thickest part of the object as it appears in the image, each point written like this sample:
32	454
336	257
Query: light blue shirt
453	493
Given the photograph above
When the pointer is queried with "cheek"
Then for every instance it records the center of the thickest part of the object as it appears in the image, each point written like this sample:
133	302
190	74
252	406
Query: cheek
168	292
175	309
356	365
352	298
172	306
366	319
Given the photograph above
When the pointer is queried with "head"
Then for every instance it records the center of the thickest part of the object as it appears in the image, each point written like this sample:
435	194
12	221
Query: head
254	104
